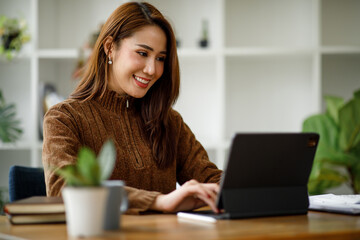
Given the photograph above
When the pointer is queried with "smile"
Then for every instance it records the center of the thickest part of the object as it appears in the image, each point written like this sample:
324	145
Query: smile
142	82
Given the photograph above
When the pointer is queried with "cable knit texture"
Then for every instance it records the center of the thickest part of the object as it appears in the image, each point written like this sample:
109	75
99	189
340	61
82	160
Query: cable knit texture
73	123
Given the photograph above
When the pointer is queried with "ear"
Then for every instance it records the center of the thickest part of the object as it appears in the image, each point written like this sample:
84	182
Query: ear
108	45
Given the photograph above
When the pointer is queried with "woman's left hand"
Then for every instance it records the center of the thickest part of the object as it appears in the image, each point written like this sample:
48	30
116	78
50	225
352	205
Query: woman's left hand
189	196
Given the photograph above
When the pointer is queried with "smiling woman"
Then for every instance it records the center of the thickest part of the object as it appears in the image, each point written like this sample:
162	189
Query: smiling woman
127	92
138	62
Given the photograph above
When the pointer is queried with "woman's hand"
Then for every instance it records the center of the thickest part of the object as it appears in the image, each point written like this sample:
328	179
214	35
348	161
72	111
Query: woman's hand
189	196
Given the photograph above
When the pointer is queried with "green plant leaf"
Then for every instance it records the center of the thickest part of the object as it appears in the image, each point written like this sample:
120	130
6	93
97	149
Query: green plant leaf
326	127
325	176
339	145
356	179
333	105
9	126
349	123
328	148
88	166
70	175
357	94
107	157
89	171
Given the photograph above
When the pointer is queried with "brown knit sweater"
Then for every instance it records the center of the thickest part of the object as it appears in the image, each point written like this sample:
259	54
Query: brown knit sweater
72	124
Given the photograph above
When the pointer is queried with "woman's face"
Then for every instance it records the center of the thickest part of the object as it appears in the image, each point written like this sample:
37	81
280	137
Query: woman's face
138	62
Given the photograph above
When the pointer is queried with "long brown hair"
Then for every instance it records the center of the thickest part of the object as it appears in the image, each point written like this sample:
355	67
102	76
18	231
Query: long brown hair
154	108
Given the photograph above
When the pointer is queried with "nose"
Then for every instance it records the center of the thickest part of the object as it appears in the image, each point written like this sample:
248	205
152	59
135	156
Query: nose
150	67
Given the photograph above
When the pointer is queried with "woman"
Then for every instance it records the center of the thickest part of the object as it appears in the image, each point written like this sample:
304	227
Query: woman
126	94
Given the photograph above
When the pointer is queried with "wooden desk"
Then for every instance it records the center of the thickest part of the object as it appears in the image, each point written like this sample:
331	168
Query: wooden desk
314	225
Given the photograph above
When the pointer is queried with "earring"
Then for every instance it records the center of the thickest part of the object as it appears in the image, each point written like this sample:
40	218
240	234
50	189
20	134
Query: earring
110	62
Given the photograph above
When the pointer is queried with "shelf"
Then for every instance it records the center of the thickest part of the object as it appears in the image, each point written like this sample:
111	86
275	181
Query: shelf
340	50
267	65
196	52
58	53
74	53
16	146
266	51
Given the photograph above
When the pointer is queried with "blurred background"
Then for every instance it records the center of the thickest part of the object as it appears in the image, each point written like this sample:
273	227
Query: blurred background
246	65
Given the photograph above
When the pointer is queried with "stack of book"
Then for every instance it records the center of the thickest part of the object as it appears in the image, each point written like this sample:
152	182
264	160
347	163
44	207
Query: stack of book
36	210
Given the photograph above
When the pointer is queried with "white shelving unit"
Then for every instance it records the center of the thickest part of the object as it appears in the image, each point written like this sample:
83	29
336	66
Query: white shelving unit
268	65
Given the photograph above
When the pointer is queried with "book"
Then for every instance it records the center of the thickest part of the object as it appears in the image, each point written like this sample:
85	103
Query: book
36	205
36	218
346	204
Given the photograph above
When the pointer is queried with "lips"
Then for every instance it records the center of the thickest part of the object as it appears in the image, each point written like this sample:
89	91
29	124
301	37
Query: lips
141	82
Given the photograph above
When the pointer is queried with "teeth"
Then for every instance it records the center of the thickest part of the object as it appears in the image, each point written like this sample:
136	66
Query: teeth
141	80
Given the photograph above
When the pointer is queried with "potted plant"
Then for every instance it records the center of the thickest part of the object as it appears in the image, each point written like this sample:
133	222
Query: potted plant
13	34
9	126
337	159
84	196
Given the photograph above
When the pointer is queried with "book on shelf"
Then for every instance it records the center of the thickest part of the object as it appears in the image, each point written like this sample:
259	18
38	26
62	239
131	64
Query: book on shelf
346	204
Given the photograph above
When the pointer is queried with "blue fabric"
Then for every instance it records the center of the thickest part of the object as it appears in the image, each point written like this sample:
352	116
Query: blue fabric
26	182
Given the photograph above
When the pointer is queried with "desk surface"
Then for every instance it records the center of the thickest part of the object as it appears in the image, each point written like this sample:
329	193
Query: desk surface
314	225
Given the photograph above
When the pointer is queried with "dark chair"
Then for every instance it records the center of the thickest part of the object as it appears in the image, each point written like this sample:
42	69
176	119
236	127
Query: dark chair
26	182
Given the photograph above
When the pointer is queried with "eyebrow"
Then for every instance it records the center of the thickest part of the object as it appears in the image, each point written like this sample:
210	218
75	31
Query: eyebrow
149	48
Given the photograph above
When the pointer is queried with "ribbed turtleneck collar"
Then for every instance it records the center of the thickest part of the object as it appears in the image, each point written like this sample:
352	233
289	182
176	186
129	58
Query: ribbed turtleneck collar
113	101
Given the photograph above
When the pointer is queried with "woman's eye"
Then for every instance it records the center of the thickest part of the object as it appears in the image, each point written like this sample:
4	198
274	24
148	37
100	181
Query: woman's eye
144	54
161	59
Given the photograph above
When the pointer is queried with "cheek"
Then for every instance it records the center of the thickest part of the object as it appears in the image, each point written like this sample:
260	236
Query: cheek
159	69
129	62
135	60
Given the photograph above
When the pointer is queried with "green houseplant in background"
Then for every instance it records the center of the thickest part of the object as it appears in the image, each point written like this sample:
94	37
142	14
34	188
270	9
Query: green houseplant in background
337	160
13	34
9	126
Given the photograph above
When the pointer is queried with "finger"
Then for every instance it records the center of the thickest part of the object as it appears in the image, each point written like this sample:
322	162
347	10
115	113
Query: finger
205	194
209	202
211	190
213	186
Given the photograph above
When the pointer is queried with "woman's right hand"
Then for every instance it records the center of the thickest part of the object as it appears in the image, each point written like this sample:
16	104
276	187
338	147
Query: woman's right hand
189	196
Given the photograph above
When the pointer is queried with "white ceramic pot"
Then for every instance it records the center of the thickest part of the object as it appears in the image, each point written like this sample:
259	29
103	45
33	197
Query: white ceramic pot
85	210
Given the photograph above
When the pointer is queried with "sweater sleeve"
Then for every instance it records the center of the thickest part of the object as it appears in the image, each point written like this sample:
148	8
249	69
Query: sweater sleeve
60	148
192	159
140	200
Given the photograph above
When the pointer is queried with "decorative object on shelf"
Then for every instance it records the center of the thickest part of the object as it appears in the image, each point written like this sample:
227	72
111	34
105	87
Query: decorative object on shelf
204	42
85	53
48	97
9	126
337	159
80	63
13	34
84	195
